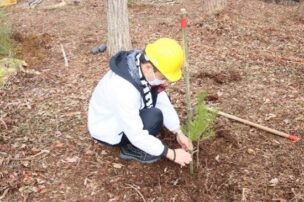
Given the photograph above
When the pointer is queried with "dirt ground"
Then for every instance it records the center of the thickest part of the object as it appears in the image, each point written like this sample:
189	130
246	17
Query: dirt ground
249	58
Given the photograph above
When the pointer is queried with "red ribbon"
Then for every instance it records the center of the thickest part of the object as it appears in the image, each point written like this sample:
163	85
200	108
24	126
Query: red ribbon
183	22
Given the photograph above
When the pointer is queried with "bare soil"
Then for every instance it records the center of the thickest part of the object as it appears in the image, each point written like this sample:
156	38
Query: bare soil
249	59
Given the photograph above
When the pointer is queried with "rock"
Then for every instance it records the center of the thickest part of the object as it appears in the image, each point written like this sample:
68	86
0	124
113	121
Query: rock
99	49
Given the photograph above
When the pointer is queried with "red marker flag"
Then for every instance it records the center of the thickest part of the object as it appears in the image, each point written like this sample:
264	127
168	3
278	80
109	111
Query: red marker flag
183	22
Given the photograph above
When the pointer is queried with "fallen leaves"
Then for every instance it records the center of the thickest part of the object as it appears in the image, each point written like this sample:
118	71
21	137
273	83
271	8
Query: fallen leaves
4	193
270	116
44	151
26	164
103	152
217	158
273	182
73	159
1	161
117	165
58	145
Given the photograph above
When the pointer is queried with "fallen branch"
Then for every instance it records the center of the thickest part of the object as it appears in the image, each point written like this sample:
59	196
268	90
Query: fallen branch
66	63
244	192
34	3
33	156
140	194
4	193
39	153
3	123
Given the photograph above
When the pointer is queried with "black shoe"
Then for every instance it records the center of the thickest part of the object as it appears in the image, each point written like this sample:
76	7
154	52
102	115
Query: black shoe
129	152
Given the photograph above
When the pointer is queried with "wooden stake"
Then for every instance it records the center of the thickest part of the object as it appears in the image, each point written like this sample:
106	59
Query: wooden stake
186	65
292	138
186	73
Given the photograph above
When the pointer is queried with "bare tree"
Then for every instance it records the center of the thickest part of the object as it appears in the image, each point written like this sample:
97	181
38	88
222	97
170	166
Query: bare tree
118	26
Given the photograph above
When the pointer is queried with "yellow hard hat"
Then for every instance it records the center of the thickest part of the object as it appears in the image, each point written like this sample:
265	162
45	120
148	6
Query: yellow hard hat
167	56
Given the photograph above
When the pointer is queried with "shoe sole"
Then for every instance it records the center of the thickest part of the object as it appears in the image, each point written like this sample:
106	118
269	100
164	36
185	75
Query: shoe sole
127	157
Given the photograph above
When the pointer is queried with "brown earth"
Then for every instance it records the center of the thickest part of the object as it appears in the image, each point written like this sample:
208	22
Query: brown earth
249	59
33	46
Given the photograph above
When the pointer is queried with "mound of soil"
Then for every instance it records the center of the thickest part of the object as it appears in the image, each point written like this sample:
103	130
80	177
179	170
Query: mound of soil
33	47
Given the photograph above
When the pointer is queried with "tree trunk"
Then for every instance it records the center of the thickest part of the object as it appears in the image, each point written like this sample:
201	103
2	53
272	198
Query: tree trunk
159	1
300	10
213	6
118	26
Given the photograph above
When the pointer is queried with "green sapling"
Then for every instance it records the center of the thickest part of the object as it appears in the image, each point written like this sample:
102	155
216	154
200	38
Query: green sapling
199	127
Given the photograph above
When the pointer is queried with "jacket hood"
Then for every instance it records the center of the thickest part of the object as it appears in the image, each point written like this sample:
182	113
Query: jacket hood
124	65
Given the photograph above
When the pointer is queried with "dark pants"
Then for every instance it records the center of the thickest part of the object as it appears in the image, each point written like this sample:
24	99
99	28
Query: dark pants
153	121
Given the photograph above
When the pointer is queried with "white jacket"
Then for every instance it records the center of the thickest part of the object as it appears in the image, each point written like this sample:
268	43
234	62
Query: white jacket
114	108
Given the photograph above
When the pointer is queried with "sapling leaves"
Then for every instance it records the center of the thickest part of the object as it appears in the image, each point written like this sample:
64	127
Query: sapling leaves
200	127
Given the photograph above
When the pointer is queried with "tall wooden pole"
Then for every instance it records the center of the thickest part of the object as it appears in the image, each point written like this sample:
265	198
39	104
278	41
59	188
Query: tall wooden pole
186	64
186	72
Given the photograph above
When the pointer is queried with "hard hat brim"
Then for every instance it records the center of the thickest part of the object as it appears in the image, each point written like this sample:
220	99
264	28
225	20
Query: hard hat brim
173	78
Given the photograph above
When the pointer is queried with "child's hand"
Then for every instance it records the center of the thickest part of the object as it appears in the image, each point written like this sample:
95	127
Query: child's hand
184	141
179	156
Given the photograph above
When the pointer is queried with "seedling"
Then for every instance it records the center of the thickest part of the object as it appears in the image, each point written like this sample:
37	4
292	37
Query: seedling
199	127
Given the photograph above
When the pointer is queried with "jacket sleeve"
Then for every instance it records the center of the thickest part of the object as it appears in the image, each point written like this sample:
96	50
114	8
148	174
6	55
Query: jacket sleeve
171	120
126	105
